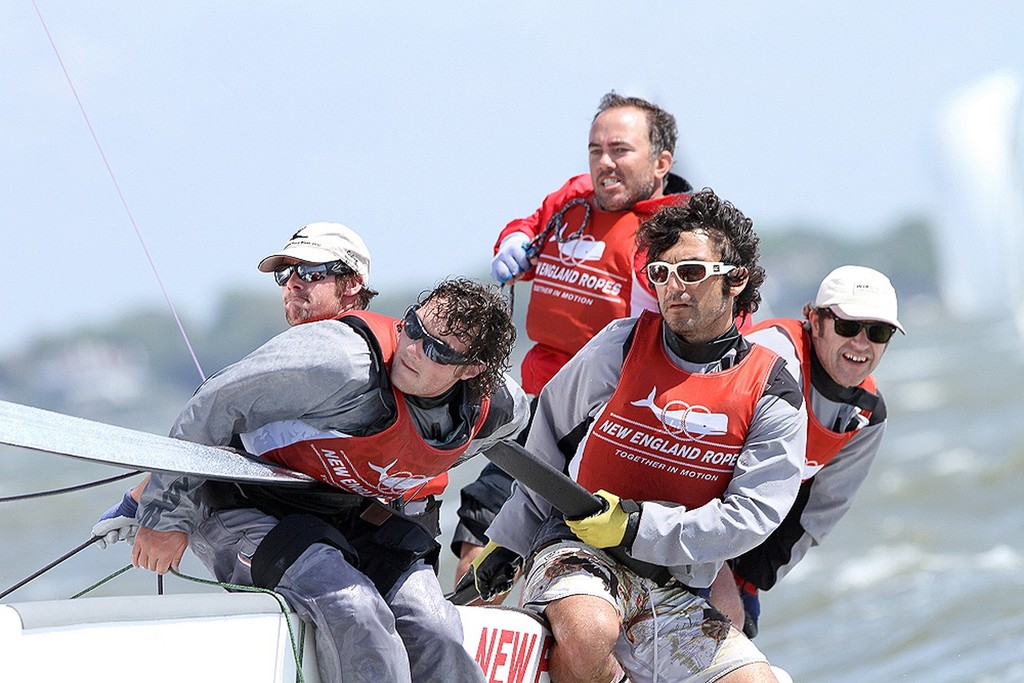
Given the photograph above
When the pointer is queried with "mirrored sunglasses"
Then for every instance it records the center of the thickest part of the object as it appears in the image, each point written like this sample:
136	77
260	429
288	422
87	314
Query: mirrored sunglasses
310	272
879	333
688	272
435	349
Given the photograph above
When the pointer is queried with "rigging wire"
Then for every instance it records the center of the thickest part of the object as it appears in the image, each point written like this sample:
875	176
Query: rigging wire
50	566
145	249
120	194
70	489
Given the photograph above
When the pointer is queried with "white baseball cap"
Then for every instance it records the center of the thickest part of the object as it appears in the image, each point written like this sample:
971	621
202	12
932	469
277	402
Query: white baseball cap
859	293
321	243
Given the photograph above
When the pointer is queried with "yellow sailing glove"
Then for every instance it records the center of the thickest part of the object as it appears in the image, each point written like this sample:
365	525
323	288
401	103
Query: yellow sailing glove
608	528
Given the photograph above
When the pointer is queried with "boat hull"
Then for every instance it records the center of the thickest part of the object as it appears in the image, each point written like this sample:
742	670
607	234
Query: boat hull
217	637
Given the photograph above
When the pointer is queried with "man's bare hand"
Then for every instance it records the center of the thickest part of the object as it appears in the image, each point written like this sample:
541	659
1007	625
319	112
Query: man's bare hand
158	551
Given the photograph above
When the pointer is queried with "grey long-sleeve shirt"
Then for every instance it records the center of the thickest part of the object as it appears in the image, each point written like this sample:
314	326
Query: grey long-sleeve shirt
828	493
692	543
322	373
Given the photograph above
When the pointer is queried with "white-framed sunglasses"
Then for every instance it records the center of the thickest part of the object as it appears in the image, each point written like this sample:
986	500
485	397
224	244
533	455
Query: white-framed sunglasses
688	272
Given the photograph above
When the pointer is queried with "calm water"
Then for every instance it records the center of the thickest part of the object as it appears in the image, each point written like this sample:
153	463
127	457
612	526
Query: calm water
922	581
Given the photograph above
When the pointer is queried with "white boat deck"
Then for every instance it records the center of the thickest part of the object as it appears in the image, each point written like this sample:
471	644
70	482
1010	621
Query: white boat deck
203	637
216	637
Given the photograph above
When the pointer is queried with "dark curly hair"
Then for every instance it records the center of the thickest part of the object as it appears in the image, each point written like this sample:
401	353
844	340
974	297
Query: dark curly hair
478	315
661	126
730	231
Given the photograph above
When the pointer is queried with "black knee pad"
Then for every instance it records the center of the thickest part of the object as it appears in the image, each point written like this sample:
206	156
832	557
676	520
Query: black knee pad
282	546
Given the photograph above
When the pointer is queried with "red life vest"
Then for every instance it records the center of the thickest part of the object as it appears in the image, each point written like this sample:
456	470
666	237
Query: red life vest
395	462
671	435
822	443
583	283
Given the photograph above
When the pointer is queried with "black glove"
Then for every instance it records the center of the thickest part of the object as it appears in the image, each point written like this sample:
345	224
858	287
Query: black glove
493	572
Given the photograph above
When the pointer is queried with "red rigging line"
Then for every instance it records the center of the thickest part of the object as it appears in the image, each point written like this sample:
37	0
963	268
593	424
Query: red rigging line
120	194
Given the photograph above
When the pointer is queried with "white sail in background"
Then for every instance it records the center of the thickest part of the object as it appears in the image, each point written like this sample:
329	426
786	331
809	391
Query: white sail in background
980	217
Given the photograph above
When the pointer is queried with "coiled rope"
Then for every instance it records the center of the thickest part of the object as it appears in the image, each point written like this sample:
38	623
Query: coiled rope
557	223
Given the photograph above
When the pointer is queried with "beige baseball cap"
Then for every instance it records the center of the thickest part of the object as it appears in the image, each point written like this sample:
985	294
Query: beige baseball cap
321	243
859	293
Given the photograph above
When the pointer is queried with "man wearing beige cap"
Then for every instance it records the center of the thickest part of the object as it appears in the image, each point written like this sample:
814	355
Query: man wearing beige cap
304	269
846	332
323	272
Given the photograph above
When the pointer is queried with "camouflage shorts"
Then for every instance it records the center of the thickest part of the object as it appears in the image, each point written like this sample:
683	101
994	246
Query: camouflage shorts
664	627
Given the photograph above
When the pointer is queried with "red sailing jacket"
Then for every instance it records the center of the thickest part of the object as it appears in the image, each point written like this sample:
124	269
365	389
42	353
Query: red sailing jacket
822	443
395	462
671	435
584	275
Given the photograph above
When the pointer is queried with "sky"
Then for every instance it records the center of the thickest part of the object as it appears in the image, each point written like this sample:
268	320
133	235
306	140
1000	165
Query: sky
428	126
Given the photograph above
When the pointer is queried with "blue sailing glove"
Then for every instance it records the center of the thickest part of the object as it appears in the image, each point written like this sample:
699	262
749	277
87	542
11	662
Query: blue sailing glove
751	607
117	523
511	259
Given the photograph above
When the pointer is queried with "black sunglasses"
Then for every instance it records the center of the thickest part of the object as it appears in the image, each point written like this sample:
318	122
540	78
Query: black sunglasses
879	333
310	272
435	349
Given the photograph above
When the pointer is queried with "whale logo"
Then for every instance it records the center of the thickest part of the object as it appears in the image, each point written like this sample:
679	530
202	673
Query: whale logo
696	422
396	482
580	250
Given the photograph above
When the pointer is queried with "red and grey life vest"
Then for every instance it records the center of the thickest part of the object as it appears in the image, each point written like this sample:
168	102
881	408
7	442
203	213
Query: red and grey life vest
583	282
671	435
822	443
395	462
584	274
